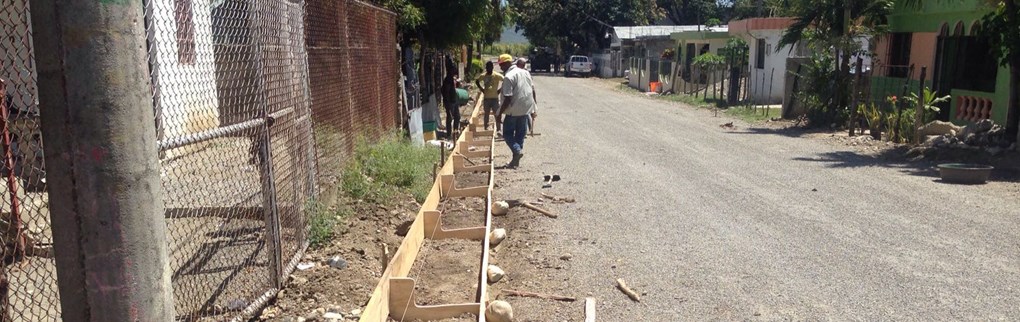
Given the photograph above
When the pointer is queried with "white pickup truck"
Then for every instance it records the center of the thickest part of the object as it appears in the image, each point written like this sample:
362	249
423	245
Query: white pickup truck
578	65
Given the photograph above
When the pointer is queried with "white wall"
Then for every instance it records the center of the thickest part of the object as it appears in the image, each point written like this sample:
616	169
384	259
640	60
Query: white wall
759	91
187	92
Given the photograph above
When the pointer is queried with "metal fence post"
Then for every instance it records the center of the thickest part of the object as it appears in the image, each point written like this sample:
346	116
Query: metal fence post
102	168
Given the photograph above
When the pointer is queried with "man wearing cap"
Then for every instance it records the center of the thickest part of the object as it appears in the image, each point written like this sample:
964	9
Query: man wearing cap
518	105
521	63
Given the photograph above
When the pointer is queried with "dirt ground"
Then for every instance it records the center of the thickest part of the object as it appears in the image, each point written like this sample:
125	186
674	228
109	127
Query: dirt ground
312	291
446	271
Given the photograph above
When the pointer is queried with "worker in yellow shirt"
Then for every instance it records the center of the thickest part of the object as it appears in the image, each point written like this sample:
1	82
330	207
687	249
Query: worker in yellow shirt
490	83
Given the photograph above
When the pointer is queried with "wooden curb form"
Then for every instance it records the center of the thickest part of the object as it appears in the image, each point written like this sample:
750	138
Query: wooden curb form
394	295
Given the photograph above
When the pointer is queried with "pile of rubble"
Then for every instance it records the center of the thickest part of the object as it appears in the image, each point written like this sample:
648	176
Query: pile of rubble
984	135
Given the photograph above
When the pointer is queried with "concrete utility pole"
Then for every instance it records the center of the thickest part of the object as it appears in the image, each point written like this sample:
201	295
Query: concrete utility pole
101	163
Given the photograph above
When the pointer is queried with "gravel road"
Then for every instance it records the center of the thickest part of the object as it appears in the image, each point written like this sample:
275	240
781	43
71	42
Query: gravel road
751	224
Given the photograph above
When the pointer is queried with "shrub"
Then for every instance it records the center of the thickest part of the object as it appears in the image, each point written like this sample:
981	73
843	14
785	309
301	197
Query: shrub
389	165
323	221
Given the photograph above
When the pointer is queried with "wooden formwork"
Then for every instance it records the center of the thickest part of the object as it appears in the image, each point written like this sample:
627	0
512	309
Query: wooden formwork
394	295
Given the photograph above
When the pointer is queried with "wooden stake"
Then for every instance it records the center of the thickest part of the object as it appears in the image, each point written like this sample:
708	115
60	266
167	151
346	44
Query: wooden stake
626	290
442	153
539	295
589	310
385	256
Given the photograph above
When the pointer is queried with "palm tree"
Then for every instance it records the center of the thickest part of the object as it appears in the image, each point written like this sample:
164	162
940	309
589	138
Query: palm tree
837	25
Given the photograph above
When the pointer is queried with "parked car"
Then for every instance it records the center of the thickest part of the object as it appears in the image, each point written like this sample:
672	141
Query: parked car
579	65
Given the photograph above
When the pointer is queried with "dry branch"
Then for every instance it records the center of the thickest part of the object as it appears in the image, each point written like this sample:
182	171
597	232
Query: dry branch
558	199
626	290
539	295
540	210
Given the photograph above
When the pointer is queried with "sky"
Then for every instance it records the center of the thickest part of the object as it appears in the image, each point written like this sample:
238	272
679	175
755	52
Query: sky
509	36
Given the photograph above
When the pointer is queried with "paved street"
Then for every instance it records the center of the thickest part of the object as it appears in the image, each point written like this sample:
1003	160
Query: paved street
741	224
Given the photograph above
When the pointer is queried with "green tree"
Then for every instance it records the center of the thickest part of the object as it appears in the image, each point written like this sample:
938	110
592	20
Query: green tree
447	23
835	28
742	9
578	25
689	12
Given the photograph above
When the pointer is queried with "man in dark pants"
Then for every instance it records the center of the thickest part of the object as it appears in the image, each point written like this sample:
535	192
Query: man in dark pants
518	104
450	103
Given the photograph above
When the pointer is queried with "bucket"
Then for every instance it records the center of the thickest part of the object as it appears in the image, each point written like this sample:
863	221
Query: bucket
428	130
428	126
654	86
462	96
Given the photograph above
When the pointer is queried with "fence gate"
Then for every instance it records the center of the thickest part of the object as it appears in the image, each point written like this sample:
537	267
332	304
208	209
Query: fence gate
232	113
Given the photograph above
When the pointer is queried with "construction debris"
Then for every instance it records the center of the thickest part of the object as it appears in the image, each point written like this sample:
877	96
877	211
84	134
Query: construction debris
559	199
620	284
540	210
337	262
499	311
549	180
984	135
525	204
939	128
589	310
539	295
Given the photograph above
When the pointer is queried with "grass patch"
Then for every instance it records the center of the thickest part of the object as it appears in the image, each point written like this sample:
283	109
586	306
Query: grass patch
392	164
736	111
323	221
754	115
377	173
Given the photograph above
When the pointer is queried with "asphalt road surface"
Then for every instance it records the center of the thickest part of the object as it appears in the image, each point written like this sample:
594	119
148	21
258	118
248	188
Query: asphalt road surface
745	224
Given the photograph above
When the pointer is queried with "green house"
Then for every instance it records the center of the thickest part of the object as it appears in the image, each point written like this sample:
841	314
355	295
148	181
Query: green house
693	43
943	38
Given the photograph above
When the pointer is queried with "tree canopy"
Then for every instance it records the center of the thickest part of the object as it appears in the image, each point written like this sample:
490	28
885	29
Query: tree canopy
447	23
578	25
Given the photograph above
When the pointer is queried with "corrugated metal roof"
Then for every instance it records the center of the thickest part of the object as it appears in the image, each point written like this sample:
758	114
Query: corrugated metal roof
634	32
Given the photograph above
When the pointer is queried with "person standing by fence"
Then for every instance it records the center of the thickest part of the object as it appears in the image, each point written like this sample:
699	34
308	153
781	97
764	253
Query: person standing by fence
492	81
450	103
518	104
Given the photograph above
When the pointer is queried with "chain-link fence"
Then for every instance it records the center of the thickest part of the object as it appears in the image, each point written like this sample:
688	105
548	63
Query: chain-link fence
28	288
257	105
352	63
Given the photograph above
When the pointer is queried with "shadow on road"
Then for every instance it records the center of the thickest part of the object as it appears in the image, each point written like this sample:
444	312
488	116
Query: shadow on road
793	132
895	158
